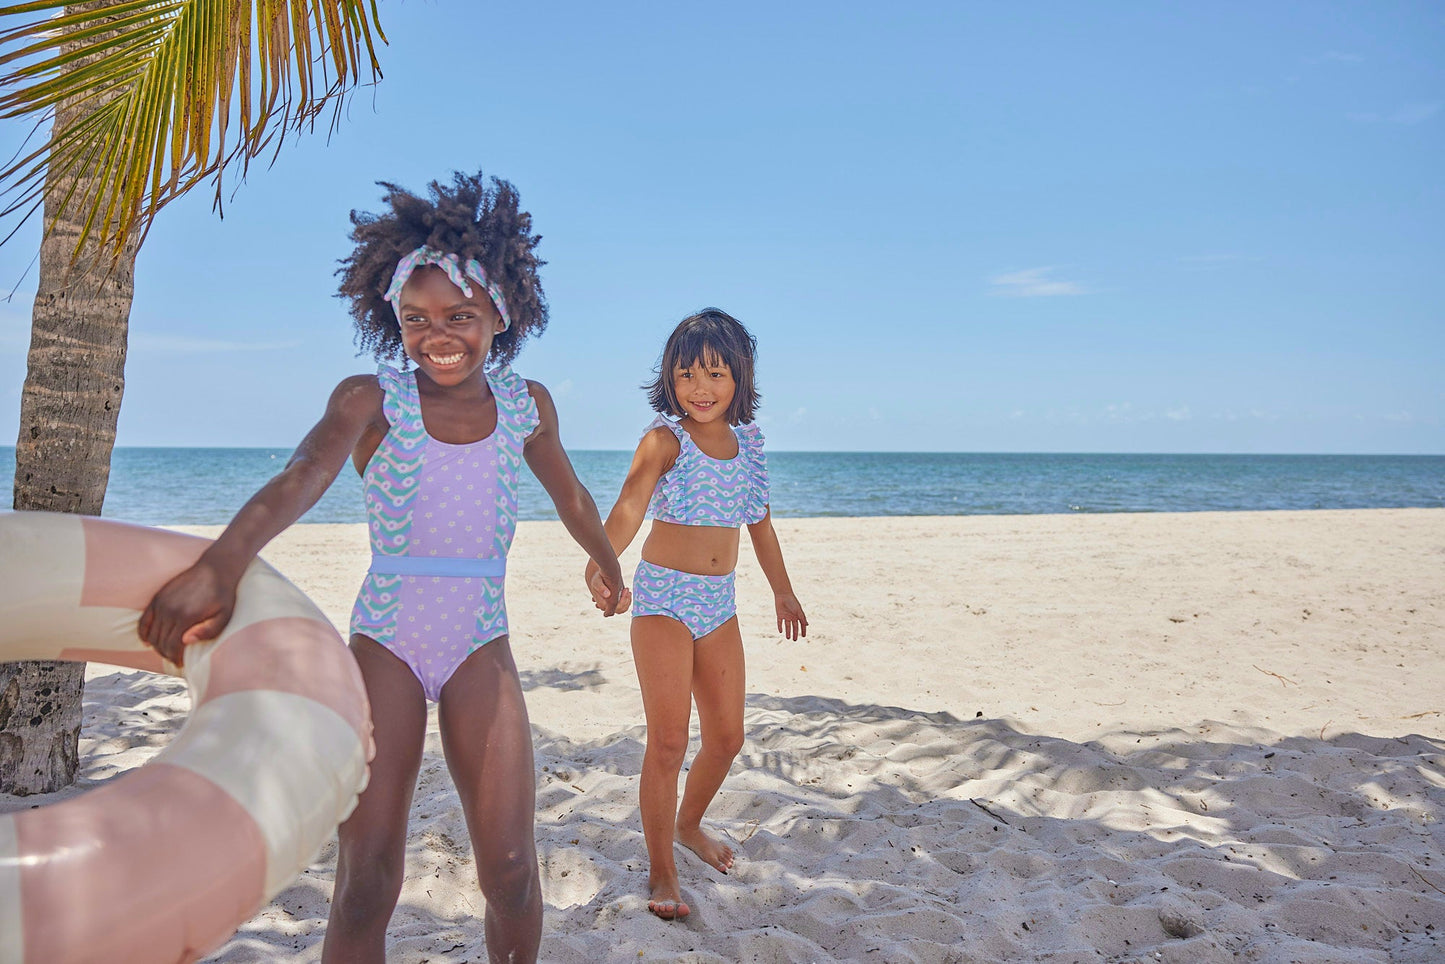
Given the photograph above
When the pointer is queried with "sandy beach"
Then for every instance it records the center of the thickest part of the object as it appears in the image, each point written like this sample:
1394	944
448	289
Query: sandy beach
1199	737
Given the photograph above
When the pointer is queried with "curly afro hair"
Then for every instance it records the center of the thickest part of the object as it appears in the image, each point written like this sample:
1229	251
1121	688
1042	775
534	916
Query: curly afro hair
469	218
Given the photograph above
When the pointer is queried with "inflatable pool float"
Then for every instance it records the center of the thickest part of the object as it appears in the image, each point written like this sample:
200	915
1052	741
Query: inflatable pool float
164	863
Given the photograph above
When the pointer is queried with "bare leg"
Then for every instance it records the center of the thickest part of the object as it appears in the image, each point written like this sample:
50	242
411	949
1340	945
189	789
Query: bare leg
719	688
662	651
371	856
488	744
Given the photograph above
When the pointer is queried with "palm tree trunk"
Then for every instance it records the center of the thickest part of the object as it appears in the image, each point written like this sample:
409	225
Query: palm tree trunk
68	411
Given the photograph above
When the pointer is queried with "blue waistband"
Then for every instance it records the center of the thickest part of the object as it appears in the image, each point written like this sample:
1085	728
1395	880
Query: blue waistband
455	566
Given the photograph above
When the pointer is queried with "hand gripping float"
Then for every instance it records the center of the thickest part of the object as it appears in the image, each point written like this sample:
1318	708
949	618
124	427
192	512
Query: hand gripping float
165	862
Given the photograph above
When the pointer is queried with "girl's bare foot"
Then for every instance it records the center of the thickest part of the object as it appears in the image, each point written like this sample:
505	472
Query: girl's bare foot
713	852
667	901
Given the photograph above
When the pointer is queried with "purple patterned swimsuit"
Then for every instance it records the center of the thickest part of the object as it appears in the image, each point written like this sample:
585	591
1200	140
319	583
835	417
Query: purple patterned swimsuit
701	491
441	519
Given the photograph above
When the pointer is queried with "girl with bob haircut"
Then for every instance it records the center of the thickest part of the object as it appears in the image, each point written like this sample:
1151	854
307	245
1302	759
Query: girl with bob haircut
700	472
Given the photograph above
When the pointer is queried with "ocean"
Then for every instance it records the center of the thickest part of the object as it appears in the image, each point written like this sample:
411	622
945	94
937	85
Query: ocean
197	486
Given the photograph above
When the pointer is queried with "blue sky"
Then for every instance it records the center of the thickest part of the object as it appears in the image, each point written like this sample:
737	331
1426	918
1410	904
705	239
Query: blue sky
1052	227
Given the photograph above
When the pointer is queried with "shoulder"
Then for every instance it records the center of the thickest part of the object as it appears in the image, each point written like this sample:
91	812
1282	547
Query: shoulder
358	391
537	394
658	449
659	444
537	390
664	434
357	401
660	438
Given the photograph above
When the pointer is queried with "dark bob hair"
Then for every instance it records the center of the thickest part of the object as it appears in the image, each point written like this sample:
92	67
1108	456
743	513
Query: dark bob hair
707	337
470	218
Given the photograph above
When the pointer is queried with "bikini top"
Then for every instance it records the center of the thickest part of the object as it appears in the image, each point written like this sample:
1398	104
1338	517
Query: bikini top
700	490
429	499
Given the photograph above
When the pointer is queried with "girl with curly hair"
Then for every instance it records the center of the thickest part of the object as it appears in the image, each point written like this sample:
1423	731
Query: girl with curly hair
701	474
449	282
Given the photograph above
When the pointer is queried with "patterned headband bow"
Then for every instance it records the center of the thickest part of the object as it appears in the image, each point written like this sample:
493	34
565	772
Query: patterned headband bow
447	262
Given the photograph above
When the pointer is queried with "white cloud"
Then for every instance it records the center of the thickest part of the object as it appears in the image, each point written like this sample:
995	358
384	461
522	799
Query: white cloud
1034	283
14	323
15	331
1408	115
1335	57
182	344
1215	260
1127	413
797	415
1415	113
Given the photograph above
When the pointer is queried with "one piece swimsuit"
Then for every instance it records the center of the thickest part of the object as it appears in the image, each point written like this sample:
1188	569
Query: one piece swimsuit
440	519
700	490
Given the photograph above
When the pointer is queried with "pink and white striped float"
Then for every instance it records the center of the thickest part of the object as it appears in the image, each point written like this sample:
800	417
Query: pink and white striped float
165	862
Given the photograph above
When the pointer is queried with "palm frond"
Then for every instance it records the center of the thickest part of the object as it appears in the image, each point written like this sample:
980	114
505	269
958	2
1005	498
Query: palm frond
147	98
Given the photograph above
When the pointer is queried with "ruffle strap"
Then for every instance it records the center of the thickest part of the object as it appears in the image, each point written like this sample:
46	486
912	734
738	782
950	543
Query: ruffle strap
750	449
672	487
400	403
514	398
662	421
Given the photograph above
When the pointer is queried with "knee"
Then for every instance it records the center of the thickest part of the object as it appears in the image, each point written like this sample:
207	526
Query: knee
367	887
666	750
729	743
509	881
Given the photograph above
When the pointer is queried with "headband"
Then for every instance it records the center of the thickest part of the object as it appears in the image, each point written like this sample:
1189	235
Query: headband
448	263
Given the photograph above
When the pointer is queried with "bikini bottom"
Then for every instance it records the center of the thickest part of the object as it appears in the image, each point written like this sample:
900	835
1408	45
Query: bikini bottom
701	603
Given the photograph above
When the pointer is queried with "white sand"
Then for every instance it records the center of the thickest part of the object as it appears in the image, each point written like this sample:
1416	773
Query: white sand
1187	737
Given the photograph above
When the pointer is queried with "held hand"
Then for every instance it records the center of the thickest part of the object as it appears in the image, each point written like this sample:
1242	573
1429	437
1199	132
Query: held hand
792	623
194	606
608	592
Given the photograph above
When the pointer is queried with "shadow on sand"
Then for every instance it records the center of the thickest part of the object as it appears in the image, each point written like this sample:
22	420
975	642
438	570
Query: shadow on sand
875	833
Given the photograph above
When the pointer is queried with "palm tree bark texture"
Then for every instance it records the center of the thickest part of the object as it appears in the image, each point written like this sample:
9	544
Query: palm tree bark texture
207	85
69	407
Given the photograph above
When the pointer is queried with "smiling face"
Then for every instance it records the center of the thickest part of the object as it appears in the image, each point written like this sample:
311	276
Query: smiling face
444	331
706	370
704	388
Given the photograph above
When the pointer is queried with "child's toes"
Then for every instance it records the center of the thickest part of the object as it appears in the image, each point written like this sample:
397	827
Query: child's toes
669	909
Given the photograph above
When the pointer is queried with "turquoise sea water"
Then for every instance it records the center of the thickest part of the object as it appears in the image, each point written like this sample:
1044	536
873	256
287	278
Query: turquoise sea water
176	486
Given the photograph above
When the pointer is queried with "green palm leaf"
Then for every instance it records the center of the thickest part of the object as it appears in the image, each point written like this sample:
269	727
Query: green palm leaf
143	99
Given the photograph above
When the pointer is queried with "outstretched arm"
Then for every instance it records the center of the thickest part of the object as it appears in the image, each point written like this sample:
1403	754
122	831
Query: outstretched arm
655	455
792	622
549	462
197	603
